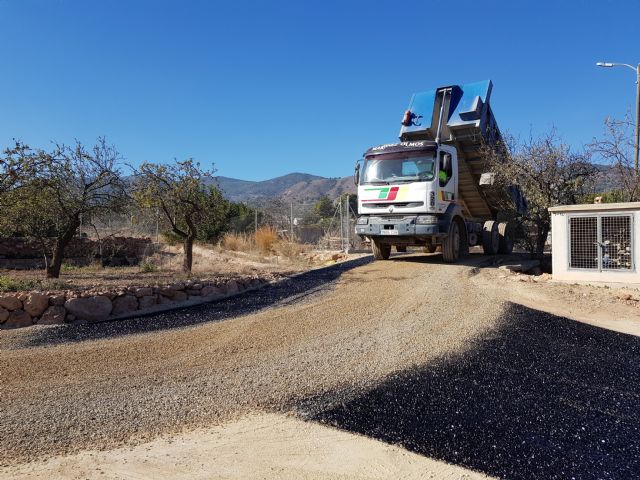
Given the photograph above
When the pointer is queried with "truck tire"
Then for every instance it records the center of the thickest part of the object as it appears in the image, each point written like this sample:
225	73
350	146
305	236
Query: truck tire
381	251
490	237
505	244
453	244
430	248
401	248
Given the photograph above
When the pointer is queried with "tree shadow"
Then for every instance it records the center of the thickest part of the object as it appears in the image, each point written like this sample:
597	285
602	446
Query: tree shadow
541	397
285	292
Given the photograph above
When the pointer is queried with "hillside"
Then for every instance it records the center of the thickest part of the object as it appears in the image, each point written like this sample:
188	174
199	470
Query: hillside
294	186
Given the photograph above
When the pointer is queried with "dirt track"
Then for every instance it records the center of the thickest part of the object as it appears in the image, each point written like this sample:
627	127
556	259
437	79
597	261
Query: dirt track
410	352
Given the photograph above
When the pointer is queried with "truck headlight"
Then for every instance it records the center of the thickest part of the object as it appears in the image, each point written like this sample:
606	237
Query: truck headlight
426	220
363	220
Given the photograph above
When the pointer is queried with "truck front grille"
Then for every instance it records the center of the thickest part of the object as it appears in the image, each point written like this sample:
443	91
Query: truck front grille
395	205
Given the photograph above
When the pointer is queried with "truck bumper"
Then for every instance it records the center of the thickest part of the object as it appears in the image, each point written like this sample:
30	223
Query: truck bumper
397	228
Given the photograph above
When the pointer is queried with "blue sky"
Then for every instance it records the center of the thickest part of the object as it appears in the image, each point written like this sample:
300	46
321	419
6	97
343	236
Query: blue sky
261	88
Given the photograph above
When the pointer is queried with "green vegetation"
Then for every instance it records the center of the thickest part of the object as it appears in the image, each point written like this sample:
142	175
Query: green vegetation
9	284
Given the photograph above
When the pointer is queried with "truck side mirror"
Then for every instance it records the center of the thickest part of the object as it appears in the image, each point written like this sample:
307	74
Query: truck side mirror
356	173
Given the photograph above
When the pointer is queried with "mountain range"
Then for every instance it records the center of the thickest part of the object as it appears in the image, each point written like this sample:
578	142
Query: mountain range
293	186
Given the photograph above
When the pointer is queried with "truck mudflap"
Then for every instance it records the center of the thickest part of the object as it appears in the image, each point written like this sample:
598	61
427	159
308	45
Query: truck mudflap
397	227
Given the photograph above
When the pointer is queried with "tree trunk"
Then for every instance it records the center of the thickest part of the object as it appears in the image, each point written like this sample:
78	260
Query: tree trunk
541	240
53	269
188	253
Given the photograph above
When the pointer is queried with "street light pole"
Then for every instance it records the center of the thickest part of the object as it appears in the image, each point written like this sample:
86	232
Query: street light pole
637	70
637	117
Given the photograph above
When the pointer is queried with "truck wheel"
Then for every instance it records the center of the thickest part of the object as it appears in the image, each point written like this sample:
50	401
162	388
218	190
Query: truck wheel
401	248
430	248
505	238
490	237
452	244
381	251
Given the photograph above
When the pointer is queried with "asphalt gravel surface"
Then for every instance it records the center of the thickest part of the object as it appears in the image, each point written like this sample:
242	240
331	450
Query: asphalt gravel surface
408	351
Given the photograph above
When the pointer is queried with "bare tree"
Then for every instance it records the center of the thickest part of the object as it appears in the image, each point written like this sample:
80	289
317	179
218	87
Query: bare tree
181	193
547	172
69	184
617	149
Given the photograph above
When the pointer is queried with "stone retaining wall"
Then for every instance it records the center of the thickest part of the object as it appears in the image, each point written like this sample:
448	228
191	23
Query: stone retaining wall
45	308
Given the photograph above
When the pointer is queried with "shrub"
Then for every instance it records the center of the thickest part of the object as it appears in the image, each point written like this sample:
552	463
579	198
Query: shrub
237	242
265	238
8	284
290	250
148	267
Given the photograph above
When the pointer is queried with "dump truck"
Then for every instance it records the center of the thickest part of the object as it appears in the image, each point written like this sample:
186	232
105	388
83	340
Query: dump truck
432	189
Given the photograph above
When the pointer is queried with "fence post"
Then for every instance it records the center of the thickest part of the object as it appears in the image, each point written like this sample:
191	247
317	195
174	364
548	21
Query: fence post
348	225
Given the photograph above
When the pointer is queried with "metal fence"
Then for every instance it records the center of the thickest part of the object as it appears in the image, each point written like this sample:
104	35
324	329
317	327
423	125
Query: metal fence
292	220
601	242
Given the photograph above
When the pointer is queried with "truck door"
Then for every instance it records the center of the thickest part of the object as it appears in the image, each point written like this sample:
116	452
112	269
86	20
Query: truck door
447	166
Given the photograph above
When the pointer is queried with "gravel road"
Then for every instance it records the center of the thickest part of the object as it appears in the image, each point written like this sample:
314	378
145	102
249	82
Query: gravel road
346	328
412	352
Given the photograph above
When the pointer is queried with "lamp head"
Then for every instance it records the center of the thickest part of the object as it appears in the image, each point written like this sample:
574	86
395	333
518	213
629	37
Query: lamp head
604	64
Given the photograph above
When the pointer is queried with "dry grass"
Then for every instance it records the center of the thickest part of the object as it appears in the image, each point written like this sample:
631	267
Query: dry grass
237	242
290	250
265	238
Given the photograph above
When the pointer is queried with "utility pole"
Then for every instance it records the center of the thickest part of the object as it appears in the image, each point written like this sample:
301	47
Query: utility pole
341	226
292	220
347	226
255	220
637	117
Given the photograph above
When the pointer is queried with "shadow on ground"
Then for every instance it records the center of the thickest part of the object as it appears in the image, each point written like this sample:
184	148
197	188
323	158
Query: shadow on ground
285	292
541	397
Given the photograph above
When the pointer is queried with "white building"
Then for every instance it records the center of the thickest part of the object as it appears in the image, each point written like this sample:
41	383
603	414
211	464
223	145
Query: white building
596	242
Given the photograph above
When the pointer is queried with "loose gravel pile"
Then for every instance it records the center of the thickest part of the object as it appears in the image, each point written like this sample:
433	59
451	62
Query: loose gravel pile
344	329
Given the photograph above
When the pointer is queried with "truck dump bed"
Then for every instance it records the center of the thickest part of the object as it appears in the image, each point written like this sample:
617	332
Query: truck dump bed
468	122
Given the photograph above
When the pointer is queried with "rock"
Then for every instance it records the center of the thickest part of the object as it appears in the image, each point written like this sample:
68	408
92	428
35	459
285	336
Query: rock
4	314
143	292
168	292
162	300
36	304
147	301
193	292
180	297
57	300
70	318
196	286
524	266
624	296
125	304
211	291
22	296
18	319
10	303
54	315
177	286
232	287
92	309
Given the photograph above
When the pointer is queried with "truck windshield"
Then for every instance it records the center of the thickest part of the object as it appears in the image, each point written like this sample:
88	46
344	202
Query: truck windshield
398	168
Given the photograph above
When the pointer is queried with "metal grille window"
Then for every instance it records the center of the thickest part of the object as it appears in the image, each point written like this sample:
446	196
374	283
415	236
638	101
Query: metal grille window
601	242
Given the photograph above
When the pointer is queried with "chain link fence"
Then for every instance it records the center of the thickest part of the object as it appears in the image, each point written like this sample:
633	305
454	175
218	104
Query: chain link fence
295	221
